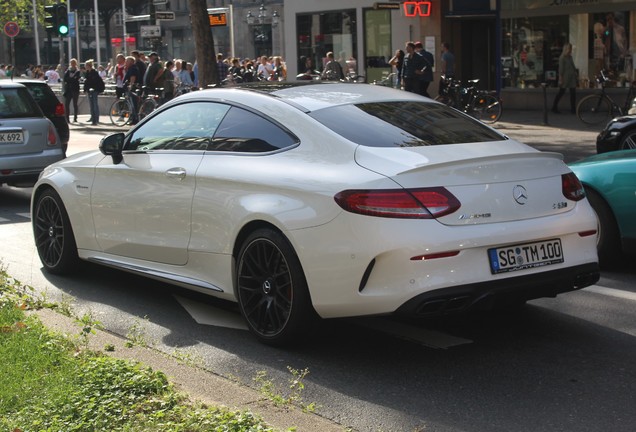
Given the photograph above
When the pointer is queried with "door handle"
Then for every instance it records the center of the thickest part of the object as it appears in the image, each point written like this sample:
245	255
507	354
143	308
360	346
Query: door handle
178	173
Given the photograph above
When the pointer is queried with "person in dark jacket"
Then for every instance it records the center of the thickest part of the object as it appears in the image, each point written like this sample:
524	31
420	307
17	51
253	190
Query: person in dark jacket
411	69
426	72
71	88
93	86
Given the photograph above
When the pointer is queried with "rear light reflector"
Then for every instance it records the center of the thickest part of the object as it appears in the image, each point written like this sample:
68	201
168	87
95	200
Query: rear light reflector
435	256
572	187
587	233
423	203
59	110
52	136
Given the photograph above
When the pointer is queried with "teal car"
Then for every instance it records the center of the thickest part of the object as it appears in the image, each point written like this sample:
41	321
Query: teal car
610	183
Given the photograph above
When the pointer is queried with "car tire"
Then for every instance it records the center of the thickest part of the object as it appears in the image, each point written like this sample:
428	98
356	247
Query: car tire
608	239
53	234
271	288
628	142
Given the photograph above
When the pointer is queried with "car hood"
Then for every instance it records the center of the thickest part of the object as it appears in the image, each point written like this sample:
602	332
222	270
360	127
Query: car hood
487	178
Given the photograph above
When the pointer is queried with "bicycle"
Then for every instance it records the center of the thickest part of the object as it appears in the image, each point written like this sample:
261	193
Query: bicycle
387	81
122	109
481	104
601	108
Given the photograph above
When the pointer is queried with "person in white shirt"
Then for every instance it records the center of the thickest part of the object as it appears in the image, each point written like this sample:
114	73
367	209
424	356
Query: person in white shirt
264	69
52	76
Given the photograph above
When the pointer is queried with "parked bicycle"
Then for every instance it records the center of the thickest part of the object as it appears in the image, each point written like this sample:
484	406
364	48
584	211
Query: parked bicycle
600	108
122	109
484	105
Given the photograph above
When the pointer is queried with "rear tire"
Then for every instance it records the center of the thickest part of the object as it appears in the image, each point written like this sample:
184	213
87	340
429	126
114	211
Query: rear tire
53	234
594	110
487	108
271	288
120	112
608	240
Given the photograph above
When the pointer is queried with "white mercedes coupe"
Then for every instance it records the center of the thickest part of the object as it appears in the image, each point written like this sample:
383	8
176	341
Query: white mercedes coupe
329	200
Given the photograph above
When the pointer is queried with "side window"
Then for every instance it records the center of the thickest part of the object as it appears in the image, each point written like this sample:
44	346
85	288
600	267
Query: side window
188	126
244	131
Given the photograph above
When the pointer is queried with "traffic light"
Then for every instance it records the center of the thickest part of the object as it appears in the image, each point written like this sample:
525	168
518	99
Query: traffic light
62	19
50	17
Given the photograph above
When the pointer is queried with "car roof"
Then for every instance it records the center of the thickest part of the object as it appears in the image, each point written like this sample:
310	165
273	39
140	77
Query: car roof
311	96
29	81
10	84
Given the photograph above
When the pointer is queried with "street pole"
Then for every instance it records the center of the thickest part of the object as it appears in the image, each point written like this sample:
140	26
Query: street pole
35	33
123	14
69	41
98	57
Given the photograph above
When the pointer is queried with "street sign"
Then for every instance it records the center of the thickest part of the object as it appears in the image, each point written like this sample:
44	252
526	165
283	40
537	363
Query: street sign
385	6
149	31
159	2
217	19
11	29
164	15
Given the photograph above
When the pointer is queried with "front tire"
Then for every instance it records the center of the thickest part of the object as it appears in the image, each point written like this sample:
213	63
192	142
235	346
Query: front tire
271	288
53	234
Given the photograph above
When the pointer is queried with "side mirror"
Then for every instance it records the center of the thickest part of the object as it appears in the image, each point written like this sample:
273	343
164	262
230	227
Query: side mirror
112	145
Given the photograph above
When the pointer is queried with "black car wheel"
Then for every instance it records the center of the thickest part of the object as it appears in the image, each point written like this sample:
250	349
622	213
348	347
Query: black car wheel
608	239
53	234
271	288
628	142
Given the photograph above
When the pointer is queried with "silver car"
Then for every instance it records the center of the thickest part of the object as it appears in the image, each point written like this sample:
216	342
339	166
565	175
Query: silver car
28	140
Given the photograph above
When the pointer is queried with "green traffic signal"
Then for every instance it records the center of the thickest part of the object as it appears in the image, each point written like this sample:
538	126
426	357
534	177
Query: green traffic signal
62	19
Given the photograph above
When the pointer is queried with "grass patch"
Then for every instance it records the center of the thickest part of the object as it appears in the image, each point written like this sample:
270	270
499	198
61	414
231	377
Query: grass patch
52	383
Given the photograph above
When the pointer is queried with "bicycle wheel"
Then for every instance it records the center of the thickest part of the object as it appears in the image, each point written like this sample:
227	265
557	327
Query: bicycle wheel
120	112
594	109
486	108
147	107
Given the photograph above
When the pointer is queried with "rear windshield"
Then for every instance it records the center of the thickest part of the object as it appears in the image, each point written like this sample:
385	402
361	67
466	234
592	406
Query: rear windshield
404	124
17	103
44	96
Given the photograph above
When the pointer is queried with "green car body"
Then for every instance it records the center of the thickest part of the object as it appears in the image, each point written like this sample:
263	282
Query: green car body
610	182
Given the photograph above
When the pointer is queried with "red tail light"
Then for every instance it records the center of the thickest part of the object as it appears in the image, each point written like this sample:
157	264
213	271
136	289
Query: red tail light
425	203
572	187
59	110
52	136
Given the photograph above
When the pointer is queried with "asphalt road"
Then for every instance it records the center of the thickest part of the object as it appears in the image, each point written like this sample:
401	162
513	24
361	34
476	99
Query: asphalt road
564	364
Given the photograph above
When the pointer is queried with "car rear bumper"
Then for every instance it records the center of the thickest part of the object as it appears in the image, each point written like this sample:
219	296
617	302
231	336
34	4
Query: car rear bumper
24	169
501	292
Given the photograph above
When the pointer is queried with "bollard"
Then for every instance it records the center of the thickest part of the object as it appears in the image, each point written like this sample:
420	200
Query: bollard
545	103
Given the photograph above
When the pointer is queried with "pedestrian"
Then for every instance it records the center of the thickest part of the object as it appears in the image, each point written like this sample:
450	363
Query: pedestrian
132	79
222	68
447	64
93	86
426	71
71	84
141	65
397	61
52	77
153	78
168	81
567	79
279	69
412	63
264	69
184	75
332	70
118	74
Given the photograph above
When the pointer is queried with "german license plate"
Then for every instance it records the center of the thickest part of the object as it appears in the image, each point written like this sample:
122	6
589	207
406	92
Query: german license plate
15	137
525	256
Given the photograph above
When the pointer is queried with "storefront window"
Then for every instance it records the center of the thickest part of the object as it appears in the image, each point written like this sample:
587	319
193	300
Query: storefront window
531	50
319	33
532	47
378	50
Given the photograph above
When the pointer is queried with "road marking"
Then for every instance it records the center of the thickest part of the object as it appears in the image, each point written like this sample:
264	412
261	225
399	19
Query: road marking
429	338
206	314
628	295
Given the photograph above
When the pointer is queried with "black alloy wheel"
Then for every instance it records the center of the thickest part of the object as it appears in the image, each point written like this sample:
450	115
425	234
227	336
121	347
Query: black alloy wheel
629	141
271	288
53	234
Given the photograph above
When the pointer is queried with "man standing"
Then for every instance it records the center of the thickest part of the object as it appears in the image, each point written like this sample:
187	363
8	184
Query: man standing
332	70
132	79
222	68
413	63
425	73
264	69
153	77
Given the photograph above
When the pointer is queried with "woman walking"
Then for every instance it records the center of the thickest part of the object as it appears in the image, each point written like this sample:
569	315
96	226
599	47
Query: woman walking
567	79
71	89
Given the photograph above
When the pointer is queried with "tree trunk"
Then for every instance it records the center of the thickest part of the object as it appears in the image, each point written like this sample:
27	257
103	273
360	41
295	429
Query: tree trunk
204	43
